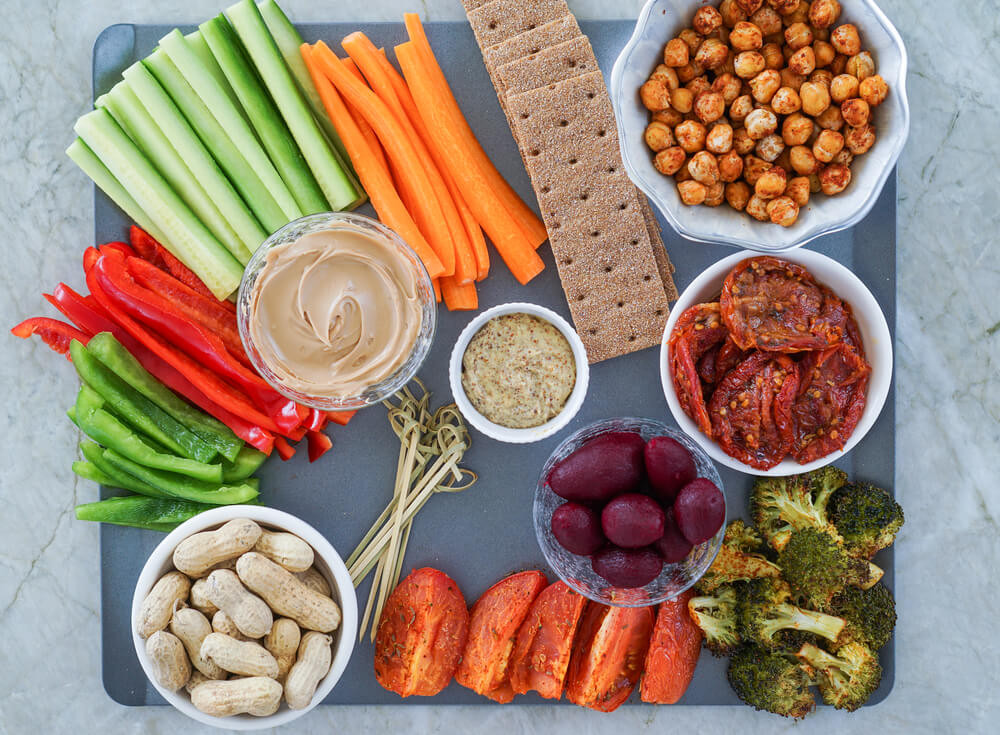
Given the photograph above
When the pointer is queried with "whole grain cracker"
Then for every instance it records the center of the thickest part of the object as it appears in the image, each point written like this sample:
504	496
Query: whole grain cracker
663	263
554	64
471	5
499	20
531	42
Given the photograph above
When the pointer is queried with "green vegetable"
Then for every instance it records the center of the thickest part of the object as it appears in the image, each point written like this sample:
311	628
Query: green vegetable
867	518
215	139
336	184
716	615
92	472
120	361
94	454
105	429
183	487
136	409
199	45
870	616
155	514
781	505
770	682
188	238
737	559
246	463
846	680
764	611
817	567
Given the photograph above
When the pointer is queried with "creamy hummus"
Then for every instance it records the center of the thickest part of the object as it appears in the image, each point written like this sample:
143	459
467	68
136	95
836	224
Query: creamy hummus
335	312
518	371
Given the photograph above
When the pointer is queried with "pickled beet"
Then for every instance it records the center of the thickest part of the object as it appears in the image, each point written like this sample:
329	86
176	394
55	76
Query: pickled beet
669	467
700	510
632	521
627	567
673	547
606	466
577	528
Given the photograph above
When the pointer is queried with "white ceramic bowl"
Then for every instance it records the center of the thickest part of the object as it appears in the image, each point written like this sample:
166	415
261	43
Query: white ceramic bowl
874	333
327	561
504	433
661	20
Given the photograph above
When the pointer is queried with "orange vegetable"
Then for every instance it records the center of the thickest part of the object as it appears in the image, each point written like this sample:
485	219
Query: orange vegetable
412	177
459	296
516	251
366	129
673	653
527	220
373	176
437	290
341	417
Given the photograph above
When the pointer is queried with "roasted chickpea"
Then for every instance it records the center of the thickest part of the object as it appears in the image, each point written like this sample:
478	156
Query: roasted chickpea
823	76
655	95
715	194
699	85
860	65
827	146
666	75
689	71
754	168
856	112
730	166
815	98
719	139
824	53
815	186
785	7
690	135
728	85
792	80
846	39
834	179
749	64
844	87
785	160
799	15
830	119
786	101
764	85
704	168
796	129
671	118
838	65
822	34
803	61
860	140
770	147
771	184
803	161
737	195
709	106
874	90
682	100
798	190
746	37
767	20
824	13
669	161
783	211
706	20
845	157
742	142
676	53
692	193
658	136
774	58
798	35
712	53
757	208
741	107
760	123
682	175
691	39
750	6
731	13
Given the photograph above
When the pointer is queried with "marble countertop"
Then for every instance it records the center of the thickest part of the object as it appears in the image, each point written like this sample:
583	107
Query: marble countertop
948	395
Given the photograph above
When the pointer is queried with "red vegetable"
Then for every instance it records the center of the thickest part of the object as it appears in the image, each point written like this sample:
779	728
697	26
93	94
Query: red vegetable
316	420
341	417
319	444
673	653
150	250
54	333
285	450
697	331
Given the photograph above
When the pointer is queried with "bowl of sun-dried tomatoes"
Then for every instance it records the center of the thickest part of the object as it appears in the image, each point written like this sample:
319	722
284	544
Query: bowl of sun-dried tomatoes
776	365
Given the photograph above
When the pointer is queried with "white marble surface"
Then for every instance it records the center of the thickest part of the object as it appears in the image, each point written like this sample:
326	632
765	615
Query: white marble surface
947	667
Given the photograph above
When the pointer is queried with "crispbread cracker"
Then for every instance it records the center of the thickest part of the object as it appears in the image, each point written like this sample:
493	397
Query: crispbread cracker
530	42
663	263
554	64
499	20
471	5
594	215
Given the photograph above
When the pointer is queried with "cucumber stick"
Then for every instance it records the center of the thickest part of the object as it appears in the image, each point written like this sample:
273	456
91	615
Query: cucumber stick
80	153
136	121
199	45
197	159
186	236
250	27
264	116
214	137
230	117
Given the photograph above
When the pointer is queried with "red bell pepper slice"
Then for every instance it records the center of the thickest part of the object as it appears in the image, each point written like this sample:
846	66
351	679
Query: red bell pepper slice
54	333
120	247
319	444
341	417
90	256
285	450
316	420
150	250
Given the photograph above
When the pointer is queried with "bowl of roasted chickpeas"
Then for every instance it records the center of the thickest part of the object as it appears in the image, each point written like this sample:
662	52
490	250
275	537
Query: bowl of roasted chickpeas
761	124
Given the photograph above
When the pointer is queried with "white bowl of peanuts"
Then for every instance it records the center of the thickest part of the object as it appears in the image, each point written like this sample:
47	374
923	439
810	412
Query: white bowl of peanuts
786	120
244	617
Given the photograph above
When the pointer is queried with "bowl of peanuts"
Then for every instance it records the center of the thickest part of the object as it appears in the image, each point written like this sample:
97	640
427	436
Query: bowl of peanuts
244	617
784	117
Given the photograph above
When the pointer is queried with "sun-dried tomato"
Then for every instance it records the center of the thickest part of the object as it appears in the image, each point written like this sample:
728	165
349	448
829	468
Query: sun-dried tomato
697	331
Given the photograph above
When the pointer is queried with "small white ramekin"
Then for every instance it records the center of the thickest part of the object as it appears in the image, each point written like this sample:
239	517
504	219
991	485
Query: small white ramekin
327	561
504	433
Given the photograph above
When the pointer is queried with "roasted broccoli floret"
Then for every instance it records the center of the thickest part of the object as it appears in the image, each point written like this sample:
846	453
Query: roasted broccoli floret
771	682
866	517
780	506
715	614
764	611
742	537
870	616
817	567
736	560
846	680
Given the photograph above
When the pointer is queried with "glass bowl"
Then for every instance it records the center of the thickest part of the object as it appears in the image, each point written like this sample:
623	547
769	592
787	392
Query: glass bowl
575	570
376	392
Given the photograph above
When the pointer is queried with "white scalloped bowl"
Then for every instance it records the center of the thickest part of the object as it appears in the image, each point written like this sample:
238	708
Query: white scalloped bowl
661	20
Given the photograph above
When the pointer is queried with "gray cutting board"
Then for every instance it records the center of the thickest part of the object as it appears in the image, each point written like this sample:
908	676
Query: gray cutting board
485	533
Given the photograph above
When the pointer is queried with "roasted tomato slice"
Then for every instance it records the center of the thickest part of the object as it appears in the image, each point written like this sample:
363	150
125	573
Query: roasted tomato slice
751	409
697	331
493	626
777	306
837	319
421	634
718	361
831	398
545	640
673	653
608	653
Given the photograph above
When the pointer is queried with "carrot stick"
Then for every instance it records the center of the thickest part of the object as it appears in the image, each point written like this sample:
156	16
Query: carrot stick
437	289
459	297
366	129
373	176
527	220
507	237
399	150
472	229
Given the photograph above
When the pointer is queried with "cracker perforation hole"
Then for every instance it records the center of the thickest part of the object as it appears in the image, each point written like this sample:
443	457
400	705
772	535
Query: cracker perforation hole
659	312
535	152
592	331
631	338
581	297
621	304
595	233
584	197
563	123
601	133
493	25
608	268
